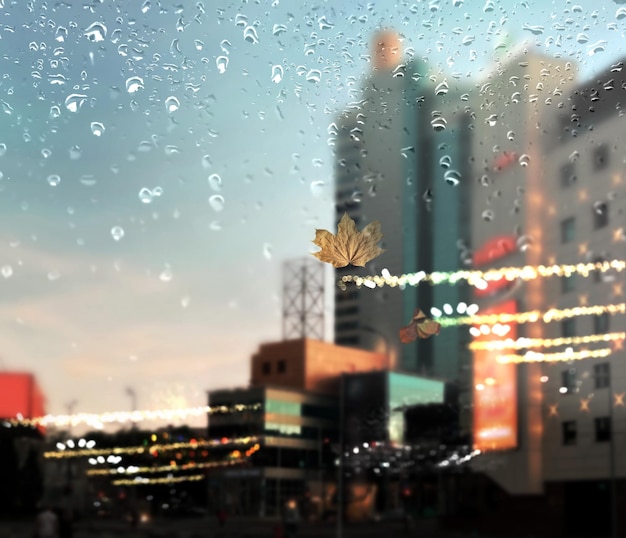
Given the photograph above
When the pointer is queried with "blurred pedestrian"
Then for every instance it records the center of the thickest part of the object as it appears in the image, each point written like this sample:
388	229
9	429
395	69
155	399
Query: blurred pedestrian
47	524
291	518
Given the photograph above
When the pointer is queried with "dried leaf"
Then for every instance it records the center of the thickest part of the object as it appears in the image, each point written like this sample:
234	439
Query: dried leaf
419	327
349	246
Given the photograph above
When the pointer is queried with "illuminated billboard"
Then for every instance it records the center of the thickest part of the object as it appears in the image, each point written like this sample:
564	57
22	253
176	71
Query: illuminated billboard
495	387
20	396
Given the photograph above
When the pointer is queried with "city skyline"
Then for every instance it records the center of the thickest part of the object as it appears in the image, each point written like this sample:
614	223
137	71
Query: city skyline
190	286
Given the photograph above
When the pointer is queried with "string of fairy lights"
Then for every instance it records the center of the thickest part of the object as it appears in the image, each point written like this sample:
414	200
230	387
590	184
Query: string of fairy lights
567	355
165	468
141	481
526	343
148	449
478	278
98	420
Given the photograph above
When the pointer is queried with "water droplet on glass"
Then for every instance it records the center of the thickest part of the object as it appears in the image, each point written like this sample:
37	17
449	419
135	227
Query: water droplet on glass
279	29
97	128
45	152
75	153
277	73
442	88
55	112
54	180
249	34
7	271
166	275
96	32
573	157
317	188
206	162
222	63
599	207
524	243
216	202
74	101
427	196
524	159
145	195
3	149
215	182
314	75
198	44
438	123
492	120
445	161
510	135
357	196
452	177
145	7
184	301
117	232
134	84
172	104
267	251
487	215
324	24
215	226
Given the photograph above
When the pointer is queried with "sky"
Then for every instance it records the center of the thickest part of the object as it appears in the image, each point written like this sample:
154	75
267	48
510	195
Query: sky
144	221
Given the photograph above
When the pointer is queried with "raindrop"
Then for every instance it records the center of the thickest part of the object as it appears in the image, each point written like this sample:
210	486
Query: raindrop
145	195
267	251
216	202
134	84
172	104
249	34
314	75
215	226
96	32
7	271
222	63
54	180
452	177
145	7
97	128
489	6
573	157
166	275
324	24
582	38
357	196
117	232
75	153
45	152
600	207
215	182
510	135
279	29
277	73
487	215
55	112
206	162
3	149
598	46
524	243
484	180
74	101
184	301
442	88
427	196
438	123
445	161
492	120
198	44
157	191
317	188
524	159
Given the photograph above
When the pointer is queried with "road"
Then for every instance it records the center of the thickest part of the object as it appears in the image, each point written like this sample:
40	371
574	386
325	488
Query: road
234	528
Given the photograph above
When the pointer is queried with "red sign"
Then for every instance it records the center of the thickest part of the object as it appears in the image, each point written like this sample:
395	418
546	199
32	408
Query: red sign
495	389
20	395
504	161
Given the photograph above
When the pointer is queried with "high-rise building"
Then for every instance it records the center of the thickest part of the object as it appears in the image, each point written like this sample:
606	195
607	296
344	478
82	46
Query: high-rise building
401	159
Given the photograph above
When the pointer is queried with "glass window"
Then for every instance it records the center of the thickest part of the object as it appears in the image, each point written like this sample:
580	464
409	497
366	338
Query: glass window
569	382
601	323
602	429
601	375
568	283
568	230
569	431
266	368
280	407
568	175
568	327
600	215
281	366
600	157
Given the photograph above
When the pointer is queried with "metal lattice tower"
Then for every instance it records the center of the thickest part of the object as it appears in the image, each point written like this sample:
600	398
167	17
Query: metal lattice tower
303	299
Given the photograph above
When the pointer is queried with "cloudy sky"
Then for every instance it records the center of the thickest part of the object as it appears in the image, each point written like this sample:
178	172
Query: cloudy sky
158	163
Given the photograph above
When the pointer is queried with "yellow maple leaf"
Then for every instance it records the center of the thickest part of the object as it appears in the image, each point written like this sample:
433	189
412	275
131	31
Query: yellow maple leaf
349	246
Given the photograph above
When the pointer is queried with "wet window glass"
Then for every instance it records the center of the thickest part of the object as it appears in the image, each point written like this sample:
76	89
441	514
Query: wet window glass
291	267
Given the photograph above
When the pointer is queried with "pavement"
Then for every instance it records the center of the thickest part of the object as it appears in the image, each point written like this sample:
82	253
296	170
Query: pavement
235	528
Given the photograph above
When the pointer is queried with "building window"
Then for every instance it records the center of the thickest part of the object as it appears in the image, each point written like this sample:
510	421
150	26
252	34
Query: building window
598	276
601	323
569	432
568	283
266	368
568	327
568	230
600	157
603	429
281	366
600	215
568	381
568	175
601	375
